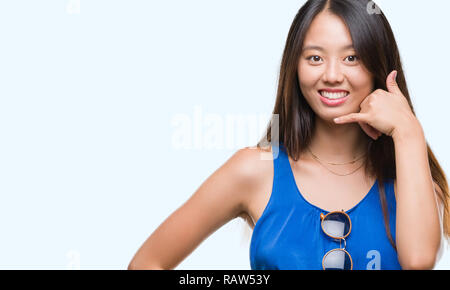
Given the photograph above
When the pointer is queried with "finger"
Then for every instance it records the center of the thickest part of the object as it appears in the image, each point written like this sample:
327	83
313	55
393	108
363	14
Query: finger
371	135
378	133
350	118
369	130
391	82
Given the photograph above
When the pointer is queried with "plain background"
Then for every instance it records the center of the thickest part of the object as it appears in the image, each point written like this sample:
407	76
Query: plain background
90	92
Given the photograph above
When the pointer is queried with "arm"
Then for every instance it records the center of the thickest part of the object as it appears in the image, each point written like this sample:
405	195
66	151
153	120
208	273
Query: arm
418	224
418	229
217	201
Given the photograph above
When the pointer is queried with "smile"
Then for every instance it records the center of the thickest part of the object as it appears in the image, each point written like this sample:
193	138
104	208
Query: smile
333	99
333	96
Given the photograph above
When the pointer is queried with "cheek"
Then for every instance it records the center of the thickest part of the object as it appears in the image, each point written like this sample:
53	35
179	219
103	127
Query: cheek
361	83
308	76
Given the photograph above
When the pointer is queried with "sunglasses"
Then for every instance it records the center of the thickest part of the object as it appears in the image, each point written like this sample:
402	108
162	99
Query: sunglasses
336	225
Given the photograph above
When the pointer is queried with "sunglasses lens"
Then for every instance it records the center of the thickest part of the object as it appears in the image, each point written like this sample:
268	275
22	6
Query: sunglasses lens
337	260
336	225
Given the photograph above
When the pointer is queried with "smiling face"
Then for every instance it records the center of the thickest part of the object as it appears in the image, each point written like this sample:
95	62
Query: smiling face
328	61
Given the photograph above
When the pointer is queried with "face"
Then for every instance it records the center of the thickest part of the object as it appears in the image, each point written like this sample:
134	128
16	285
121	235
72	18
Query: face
329	62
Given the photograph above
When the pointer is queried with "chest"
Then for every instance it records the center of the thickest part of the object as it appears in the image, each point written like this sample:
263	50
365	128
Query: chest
331	196
331	192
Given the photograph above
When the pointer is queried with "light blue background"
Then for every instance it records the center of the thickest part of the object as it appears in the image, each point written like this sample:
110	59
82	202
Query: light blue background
88	97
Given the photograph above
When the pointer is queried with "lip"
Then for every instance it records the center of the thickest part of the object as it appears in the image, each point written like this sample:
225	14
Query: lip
333	103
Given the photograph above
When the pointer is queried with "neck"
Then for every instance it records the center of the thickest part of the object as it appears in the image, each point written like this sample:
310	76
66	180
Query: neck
338	142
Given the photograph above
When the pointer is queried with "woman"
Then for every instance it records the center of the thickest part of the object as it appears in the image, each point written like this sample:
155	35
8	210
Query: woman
360	192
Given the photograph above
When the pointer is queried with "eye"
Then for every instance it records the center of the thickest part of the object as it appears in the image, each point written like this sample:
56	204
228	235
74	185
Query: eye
352	58
314	57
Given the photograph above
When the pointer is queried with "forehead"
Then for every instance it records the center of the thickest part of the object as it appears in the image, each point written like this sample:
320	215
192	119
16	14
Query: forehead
327	32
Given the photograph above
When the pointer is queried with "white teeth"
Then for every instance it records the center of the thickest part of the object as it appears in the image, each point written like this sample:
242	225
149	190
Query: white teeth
329	95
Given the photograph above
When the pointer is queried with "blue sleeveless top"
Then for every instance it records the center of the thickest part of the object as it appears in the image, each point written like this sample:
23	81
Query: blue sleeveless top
288	235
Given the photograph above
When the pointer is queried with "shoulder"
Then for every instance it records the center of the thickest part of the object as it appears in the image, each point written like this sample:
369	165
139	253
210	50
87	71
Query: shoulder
253	167
252	163
252	156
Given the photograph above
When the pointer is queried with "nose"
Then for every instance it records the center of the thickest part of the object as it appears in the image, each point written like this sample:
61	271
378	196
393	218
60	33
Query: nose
333	73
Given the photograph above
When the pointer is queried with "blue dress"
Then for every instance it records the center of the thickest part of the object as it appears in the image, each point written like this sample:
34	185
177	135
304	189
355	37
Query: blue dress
288	235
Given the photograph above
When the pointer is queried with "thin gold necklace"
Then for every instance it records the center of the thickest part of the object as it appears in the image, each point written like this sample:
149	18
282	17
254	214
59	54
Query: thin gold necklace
332	163
318	160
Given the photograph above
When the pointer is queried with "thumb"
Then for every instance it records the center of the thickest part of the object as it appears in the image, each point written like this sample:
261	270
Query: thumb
391	82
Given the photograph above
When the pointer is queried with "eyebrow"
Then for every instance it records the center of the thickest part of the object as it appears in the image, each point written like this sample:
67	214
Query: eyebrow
322	49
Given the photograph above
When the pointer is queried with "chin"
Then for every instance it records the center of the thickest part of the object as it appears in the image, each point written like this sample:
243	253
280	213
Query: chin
329	117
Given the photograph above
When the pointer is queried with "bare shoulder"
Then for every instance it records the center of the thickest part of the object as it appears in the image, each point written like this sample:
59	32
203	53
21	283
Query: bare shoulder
251	162
255	162
256	168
